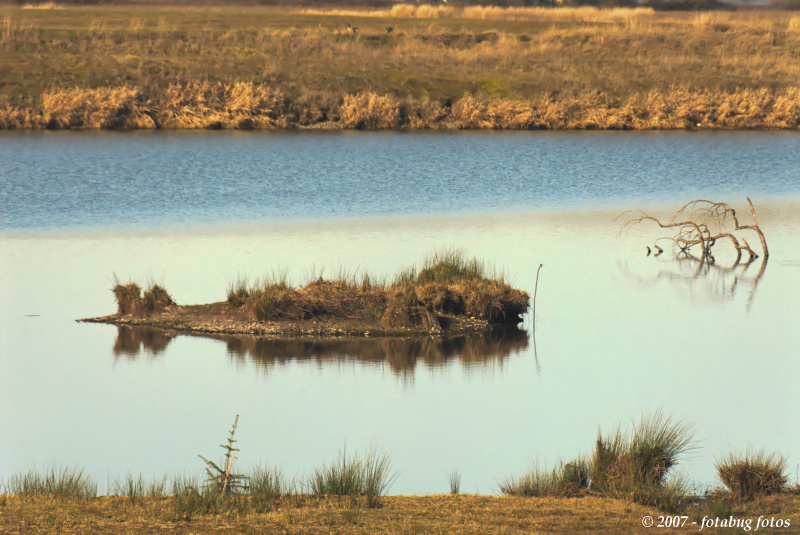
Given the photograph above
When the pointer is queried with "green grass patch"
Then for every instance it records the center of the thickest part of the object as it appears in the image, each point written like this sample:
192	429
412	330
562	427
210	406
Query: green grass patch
56	482
353	476
137	487
570	479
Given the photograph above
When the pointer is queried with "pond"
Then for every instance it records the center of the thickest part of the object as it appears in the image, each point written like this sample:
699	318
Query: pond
617	332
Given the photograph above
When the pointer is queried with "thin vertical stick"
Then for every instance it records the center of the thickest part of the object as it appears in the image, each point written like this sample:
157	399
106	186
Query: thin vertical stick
535	289
535	354
758	229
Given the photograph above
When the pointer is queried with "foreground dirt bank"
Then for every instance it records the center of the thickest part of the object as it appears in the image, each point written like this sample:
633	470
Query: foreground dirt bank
399	514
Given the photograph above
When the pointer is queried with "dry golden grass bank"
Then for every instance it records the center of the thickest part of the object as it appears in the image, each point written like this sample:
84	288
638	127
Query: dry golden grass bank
246	105
411	66
399	514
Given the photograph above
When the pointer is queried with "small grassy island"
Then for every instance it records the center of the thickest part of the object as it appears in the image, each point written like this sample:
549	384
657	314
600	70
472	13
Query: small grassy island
449	294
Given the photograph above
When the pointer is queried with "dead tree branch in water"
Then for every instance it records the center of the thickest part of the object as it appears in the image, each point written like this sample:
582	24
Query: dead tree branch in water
702	222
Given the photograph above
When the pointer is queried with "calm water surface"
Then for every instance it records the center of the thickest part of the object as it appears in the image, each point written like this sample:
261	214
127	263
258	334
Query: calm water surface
617	332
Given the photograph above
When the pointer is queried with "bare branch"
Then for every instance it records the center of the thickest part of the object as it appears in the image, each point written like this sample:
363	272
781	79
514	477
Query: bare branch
694	229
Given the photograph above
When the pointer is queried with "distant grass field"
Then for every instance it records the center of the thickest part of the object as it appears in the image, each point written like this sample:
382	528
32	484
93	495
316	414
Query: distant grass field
421	60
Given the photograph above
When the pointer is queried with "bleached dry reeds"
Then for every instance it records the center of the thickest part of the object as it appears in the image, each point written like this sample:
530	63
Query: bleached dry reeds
43	5
241	105
108	108
369	111
246	105
558	14
549	14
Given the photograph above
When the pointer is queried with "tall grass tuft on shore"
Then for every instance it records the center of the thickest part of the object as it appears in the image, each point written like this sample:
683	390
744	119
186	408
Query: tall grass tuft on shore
454	479
636	466
57	482
753	474
571	479
135	487
267	484
354	476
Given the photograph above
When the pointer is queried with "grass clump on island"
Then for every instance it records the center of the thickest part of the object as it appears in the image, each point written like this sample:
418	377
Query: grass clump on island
130	299
475	67
448	284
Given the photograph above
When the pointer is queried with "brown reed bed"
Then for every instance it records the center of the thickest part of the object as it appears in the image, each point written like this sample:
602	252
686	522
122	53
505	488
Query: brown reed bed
246	106
409	66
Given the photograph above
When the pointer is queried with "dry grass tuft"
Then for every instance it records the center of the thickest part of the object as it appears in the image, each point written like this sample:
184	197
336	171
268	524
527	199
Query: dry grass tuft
130	299
203	105
753	474
156	299
715	21
405	310
566	480
369	111
448	284
43	5
636	466
107	108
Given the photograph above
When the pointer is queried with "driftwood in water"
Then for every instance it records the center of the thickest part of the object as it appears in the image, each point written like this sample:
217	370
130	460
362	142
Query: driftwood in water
701	222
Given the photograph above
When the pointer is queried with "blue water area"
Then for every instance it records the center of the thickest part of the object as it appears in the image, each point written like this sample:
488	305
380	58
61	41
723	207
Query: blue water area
617	334
85	179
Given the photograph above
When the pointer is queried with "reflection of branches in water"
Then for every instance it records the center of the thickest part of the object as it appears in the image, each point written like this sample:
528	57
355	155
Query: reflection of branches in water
401	354
720	281
131	340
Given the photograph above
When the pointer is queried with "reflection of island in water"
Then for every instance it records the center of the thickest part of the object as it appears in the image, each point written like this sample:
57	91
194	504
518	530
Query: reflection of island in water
706	277
401	354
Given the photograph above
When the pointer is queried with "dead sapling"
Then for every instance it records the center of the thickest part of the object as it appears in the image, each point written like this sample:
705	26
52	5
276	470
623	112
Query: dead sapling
702	223
221	481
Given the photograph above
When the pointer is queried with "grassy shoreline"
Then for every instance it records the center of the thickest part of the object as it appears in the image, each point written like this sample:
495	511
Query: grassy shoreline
399	514
628	476
486	68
